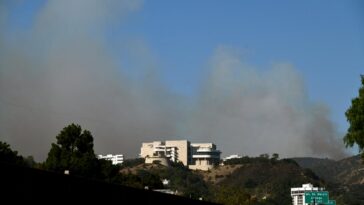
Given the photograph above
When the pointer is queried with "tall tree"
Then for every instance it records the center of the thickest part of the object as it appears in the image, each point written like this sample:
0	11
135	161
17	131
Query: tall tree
74	152
355	117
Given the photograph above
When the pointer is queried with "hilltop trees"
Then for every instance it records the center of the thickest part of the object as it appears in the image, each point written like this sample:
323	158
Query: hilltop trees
74	152
355	117
9	156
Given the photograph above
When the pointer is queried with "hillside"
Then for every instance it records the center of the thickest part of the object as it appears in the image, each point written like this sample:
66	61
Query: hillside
269	182
182	180
344	178
348	171
253	181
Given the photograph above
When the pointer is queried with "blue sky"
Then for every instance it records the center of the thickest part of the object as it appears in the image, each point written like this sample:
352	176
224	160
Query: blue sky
322	40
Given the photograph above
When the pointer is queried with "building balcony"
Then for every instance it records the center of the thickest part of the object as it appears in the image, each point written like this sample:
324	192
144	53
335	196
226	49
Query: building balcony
207	149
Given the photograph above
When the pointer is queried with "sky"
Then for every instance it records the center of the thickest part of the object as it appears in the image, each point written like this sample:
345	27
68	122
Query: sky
251	76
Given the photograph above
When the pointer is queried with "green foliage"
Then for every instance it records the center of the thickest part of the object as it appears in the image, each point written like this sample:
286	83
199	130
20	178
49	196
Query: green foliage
152	181
355	117
232	195
73	151
266	156
354	196
311	174
130	180
187	182
109	172
275	156
290	161
141	179
7	155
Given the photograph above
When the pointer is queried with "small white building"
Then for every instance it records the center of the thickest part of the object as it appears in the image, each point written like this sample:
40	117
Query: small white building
298	193
233	156
115	159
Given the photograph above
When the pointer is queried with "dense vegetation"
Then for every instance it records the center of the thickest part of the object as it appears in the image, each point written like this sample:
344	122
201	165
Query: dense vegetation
183	180
74	152
355	117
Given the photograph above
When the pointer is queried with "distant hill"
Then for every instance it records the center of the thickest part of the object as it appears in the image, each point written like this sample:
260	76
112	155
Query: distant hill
348	171
344	178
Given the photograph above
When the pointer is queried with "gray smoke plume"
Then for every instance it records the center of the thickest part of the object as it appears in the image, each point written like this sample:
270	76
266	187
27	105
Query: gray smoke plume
252	112
61	70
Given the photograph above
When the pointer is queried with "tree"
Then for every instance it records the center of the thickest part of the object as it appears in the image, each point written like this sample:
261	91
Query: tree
264	156
275	156
74	152
9	156
152	181
355	117
231	195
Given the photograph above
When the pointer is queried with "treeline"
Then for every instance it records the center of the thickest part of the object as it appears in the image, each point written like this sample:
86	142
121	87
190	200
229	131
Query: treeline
7	155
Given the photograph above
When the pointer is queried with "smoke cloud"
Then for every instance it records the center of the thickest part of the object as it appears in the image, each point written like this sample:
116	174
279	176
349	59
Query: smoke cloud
252	112
61	70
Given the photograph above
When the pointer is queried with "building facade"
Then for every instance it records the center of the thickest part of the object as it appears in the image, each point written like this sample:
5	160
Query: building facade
202	156
298	193
115	159
174	150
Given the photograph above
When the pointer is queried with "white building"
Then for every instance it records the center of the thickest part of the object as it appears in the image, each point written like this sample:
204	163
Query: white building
115	159
298	193
233	156
201	156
